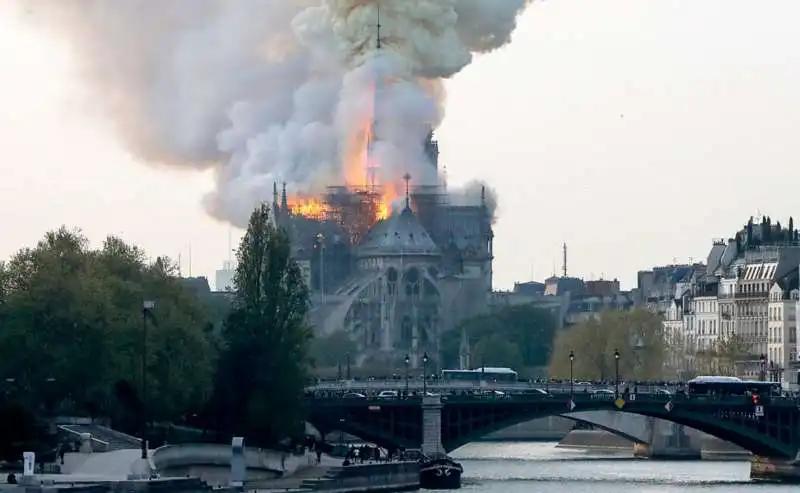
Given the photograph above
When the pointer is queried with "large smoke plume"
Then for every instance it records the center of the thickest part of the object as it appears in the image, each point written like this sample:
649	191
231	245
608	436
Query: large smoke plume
274	90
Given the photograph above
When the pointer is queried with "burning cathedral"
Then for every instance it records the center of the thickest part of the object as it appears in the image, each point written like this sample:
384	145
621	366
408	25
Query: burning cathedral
393	277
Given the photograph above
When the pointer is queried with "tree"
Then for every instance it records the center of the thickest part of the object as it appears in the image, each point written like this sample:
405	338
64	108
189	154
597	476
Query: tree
530	328
495	350
638	335
264	366
332	351
728	351
72	331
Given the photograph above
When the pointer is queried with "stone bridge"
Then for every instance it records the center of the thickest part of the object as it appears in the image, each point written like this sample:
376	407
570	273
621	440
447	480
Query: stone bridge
770	431
652	437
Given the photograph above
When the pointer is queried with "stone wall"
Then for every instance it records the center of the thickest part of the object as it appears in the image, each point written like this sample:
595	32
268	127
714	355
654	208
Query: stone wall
367	478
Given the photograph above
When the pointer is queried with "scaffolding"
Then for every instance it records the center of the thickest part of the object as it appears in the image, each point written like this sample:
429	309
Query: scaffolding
355	209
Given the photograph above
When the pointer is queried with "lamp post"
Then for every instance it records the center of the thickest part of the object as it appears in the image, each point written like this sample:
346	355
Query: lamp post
616	373
763	360
147	306
571	379
347	357
408	361
321	240
425	374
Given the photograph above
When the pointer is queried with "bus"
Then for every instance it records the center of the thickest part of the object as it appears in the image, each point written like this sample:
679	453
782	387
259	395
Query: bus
722	386
487	374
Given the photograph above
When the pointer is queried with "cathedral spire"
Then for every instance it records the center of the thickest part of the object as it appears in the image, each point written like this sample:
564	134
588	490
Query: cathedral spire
275	209
407	179
284	200
378	6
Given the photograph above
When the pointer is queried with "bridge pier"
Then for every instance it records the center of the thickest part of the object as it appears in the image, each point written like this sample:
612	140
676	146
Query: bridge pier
432	425
667	441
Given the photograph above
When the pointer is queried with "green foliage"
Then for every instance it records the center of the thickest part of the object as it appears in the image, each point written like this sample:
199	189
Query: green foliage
520	334
265	362
496	350
332	351
72	329
638	335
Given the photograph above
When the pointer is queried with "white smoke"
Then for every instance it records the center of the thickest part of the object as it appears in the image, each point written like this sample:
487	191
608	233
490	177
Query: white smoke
473	193
273	90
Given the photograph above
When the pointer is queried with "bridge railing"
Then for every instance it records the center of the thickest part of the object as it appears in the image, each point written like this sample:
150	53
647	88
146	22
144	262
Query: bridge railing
378	386
578	397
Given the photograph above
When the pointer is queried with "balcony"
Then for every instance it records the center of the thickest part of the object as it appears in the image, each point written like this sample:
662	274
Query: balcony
745	296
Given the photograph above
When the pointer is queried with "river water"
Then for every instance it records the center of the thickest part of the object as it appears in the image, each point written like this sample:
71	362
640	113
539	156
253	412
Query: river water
543	468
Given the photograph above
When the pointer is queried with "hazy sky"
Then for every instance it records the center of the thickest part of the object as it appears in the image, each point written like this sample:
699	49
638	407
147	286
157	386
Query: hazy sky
634	130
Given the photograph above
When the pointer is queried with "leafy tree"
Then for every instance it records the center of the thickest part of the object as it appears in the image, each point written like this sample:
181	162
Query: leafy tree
638	335
72	330
495	350
728	351
529	328
264	366
332	351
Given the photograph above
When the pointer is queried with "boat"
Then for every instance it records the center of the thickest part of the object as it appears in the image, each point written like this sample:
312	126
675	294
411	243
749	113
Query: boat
439	472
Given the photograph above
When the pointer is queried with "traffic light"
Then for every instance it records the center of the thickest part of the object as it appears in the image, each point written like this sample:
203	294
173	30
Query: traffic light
756	399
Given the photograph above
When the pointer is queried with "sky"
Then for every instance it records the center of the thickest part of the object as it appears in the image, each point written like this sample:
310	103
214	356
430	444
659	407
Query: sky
635	131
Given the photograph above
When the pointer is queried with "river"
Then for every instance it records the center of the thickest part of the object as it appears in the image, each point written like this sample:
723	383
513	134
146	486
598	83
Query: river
541	467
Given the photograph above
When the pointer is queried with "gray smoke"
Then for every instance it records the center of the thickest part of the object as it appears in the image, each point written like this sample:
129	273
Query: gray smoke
273	90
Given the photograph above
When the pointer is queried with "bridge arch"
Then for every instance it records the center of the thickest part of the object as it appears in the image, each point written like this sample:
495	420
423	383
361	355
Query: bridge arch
399	423
751	438
628	433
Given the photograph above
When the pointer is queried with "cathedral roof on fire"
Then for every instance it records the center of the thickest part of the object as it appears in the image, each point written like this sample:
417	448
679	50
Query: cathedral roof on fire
400	234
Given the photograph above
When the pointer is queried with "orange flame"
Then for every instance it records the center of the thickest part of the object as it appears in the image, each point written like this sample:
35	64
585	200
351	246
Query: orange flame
361	168
307	206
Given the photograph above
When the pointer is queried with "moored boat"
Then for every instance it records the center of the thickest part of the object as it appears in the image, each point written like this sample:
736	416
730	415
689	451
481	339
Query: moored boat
439	472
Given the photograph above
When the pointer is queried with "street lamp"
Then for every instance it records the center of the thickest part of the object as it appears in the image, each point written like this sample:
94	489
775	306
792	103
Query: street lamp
763	359
425	374
616	373
347	357
571	379
408	361
321	240
147	307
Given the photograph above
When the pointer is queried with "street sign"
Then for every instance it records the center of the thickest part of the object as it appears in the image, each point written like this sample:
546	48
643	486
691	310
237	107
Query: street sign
619	403
632	397
571	405
668	406
759	411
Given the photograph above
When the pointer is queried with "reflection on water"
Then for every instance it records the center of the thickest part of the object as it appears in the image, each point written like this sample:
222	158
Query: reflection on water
541	467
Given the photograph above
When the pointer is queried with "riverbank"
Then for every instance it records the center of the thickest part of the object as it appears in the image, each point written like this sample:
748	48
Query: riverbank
598	440
385	477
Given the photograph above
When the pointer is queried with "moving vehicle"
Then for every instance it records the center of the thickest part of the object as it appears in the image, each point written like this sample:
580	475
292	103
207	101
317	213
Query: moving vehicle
726	386
485	374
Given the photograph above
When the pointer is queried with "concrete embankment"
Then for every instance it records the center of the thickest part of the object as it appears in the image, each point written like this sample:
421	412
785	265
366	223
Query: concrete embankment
362	478
597	440
548	429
